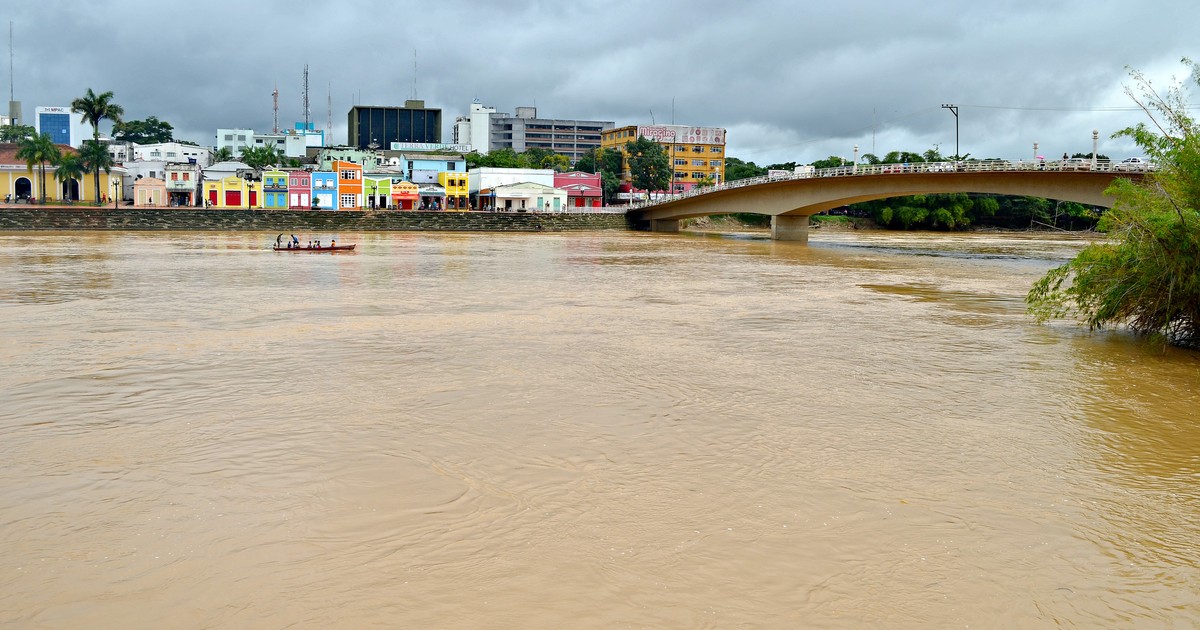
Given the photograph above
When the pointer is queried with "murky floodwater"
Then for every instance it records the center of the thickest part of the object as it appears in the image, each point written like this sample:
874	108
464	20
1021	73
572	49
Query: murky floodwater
581	431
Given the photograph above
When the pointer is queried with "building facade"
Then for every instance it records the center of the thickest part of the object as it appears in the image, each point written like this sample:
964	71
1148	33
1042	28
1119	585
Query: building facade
350	185
183	184
378	127
63	125
455	186
275	190
300	190
324	190
235	140
475	128
696	153
174	152
583	189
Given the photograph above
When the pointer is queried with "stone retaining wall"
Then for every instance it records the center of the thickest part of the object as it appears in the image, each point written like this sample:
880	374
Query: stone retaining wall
12	219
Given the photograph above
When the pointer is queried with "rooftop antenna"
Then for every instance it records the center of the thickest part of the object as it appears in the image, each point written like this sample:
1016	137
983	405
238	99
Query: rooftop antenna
307	111
414	96
652	118
329	123
11	92
275	106
672	110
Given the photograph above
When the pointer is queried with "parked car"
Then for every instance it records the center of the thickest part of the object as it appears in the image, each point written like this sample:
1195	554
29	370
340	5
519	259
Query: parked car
1134	164
1076	164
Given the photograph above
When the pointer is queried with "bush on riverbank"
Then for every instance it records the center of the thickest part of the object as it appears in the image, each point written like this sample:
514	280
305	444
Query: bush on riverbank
1148	277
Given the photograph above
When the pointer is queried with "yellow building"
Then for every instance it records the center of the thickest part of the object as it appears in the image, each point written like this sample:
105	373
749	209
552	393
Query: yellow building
695	153
19	182
456	190
230	192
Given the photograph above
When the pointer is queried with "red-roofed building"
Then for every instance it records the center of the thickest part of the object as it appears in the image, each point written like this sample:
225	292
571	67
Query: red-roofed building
584	190
20	182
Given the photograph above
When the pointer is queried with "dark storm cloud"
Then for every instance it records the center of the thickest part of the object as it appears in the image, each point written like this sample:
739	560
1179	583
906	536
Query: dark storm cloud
790	80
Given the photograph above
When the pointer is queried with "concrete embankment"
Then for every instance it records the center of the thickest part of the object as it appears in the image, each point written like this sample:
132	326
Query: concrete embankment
91	218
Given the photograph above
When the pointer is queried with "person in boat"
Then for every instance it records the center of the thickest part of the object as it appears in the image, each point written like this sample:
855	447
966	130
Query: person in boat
295	240
279	241
333	243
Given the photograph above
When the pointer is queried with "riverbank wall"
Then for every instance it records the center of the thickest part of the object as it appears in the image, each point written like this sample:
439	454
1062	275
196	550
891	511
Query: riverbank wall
140	219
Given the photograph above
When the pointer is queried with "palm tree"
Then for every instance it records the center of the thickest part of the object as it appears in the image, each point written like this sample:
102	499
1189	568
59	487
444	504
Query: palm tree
95	157
70	167
39	150
95	108
224	154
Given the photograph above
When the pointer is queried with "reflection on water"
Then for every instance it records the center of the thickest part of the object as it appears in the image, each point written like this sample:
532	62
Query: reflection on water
581	430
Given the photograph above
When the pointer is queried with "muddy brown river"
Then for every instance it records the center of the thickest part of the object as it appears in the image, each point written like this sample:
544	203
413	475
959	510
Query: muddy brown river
605	430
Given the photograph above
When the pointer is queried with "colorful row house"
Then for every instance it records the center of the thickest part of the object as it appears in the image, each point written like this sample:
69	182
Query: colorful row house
275	190
583	189
300	190
454	185
230	192
349	185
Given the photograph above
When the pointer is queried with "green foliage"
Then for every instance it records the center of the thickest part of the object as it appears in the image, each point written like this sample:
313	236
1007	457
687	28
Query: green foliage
143	131
736	169
224	154
95	158
649	165
832	161
95	108
40	150
261	157
15	133
608	164
70	166
1148	275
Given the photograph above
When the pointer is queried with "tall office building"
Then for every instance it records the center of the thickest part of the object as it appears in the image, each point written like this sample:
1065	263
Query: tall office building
489	130
696	153
381	126
63	125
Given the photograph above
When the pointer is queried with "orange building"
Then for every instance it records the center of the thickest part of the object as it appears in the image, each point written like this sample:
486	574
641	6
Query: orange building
350	185
696	153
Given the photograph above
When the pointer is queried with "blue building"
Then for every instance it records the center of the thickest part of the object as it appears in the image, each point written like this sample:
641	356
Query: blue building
324	190
275	190
63	126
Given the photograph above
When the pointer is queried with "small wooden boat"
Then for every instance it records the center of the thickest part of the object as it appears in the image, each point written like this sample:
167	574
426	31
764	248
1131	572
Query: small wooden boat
326	248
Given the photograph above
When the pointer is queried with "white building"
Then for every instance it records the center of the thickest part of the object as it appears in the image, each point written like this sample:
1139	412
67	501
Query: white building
293	145
234	139
475	128
174	152
525	197
63	125
490	177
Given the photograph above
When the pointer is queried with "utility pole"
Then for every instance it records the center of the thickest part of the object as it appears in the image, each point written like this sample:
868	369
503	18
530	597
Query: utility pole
954	110
275	106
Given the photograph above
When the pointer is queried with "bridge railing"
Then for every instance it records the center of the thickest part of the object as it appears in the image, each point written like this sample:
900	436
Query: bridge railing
856	170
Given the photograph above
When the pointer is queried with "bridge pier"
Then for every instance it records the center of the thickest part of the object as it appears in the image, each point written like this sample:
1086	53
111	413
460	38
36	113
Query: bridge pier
664	225
789	228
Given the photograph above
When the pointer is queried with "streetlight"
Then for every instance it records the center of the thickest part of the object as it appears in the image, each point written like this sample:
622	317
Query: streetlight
856	158
1035	150
374	189
1095	142
954	110
116	184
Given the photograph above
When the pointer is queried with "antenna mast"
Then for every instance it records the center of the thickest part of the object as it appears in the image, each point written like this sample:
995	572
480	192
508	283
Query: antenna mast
414	96
275	106
329	124
11	92
307	111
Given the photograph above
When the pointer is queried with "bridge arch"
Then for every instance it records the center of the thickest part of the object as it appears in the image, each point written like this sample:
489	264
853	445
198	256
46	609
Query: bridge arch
791	201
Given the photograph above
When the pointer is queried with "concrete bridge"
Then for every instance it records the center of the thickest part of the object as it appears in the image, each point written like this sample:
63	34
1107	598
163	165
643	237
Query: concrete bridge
790	200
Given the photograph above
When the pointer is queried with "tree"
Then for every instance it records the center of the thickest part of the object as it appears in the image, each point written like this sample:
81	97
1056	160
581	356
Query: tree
95	108
224	154
39	150
15	133
649	166
1147	276
736	169
607	162
260	157
143	131
95	158
70	167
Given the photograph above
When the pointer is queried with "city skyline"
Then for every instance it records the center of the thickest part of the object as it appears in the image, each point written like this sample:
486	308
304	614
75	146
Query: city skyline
790	82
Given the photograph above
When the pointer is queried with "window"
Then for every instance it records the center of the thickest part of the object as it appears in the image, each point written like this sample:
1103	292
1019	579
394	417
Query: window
680	162
714	149
697	175
679	175
349	175
187	176
714	163
228	137
349	201
697	149
450	166
697	162
295	182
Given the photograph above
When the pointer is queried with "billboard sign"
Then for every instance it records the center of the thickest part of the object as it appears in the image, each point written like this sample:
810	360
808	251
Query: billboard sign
681	134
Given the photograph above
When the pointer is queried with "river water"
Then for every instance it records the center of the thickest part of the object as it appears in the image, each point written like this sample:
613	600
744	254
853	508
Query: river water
581	431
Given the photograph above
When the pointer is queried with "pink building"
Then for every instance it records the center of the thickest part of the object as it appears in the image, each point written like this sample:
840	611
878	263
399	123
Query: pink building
299	190
583	189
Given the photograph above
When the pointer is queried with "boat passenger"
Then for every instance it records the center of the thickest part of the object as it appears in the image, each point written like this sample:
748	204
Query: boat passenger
333	243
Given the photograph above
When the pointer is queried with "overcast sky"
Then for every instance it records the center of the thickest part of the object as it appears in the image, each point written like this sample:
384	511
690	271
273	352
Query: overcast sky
790	80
